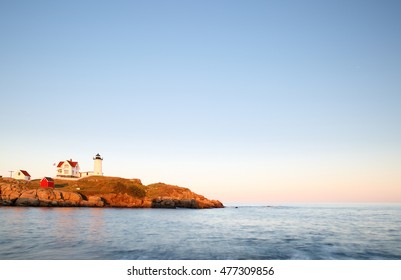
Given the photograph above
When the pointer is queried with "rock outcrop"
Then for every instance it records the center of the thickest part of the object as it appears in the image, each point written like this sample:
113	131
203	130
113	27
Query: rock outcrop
185	203
21	193
15	193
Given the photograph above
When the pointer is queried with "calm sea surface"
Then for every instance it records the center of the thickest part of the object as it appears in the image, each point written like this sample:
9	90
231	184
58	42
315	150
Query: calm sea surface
281	232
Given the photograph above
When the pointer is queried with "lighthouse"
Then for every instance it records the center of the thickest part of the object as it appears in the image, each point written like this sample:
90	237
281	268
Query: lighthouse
97	169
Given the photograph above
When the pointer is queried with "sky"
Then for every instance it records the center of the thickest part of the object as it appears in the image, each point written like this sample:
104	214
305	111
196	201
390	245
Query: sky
242	101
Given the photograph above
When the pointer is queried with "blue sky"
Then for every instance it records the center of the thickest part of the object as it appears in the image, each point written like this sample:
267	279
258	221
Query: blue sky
239	100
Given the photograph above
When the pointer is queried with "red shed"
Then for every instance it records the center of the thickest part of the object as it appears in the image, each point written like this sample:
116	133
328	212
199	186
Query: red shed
47	182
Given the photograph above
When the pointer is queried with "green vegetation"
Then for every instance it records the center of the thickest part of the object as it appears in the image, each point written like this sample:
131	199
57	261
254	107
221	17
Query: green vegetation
164	190
98	185
130	189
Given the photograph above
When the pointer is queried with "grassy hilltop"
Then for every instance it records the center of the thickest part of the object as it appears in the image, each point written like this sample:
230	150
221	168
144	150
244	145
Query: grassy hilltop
96	185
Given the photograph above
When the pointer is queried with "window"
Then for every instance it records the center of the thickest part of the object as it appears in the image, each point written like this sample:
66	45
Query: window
65	171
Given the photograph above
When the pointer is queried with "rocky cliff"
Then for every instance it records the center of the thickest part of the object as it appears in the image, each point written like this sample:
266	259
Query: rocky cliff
101	192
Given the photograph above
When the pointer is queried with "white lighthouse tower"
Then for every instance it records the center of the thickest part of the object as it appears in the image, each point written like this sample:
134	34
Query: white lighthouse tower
97	169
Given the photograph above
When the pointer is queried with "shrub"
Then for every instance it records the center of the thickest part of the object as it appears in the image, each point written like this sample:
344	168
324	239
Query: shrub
129	189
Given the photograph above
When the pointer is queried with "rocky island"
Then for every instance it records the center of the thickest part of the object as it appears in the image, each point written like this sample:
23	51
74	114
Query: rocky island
100	191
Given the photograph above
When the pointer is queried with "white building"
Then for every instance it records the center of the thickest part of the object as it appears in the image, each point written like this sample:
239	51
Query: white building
22	175
71	169
68	168
97	168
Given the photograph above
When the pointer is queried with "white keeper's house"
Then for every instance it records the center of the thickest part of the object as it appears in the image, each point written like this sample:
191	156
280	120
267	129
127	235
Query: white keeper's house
22	175
68	168
71	169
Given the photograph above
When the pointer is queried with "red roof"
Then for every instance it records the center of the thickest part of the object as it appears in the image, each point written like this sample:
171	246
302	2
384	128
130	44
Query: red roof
49	179
25	173
72	163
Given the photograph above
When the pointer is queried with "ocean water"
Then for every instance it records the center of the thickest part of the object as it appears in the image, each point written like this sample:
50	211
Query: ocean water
282	232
